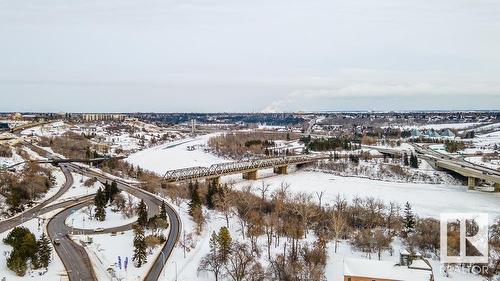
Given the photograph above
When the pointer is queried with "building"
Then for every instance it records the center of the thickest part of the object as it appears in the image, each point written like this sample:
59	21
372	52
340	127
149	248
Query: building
91	117
375	270
447	133
4	127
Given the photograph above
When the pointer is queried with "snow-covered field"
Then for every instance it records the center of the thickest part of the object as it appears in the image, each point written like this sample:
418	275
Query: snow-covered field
174	155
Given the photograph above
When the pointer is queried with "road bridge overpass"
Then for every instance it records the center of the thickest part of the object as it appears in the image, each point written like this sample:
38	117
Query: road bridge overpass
473	172
57	161
249	169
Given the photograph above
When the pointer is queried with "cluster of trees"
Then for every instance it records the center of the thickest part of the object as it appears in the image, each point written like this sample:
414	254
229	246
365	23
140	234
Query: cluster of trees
237	261
103	197
195	204
453	146
71	145
27	249
411	160
146	244
284	220
20	189
240	144
5	151
333	143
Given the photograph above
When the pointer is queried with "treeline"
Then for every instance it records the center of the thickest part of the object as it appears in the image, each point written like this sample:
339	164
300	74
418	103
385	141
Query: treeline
70	144
21	189
453	146
334	143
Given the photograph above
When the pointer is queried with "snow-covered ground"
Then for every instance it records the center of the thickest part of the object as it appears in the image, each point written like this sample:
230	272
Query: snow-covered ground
78	189
105	250
56	267
184	266
83	219
428	200
52	129
175	155
59	180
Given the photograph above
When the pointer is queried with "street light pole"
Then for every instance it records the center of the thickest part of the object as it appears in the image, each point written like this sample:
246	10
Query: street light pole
175	270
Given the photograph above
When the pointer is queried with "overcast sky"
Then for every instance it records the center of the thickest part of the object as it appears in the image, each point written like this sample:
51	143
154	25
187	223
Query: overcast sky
248	55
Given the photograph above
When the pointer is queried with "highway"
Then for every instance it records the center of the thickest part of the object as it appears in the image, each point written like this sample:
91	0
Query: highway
459	166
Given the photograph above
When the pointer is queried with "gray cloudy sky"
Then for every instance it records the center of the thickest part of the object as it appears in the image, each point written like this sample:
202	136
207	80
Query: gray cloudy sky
241	55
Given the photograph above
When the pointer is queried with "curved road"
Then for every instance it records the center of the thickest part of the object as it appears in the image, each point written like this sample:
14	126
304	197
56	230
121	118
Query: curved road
78	268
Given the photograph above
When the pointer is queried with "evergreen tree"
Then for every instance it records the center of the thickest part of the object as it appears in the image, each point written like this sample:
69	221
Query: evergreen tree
113	190
100	204
413	161
195	198
107	192
163	210
405	159
142	214
224	241
212	191
140	256
409	220
24	247
44	251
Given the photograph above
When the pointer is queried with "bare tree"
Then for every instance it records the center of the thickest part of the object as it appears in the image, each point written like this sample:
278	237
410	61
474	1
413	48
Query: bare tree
224	201
242	265
382	241
264	189
339	225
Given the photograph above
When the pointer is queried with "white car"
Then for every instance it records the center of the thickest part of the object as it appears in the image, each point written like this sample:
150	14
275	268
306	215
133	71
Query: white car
100	229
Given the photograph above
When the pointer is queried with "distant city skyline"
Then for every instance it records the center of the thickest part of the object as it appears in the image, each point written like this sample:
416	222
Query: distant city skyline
249	56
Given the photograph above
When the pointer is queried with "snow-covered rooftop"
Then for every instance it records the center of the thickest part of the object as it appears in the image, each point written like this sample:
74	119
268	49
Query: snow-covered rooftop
383	270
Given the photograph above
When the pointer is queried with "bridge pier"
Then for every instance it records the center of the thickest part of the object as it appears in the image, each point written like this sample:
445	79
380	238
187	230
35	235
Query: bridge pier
281	170
250	175
471	182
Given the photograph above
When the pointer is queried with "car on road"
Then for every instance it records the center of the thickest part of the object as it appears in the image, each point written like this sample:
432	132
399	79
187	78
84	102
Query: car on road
99	229
57	241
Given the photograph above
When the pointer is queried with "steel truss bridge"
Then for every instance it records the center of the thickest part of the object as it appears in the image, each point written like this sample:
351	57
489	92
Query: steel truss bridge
223	169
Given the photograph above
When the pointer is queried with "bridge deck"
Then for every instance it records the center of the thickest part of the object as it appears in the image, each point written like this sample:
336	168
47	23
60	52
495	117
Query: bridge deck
223	169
